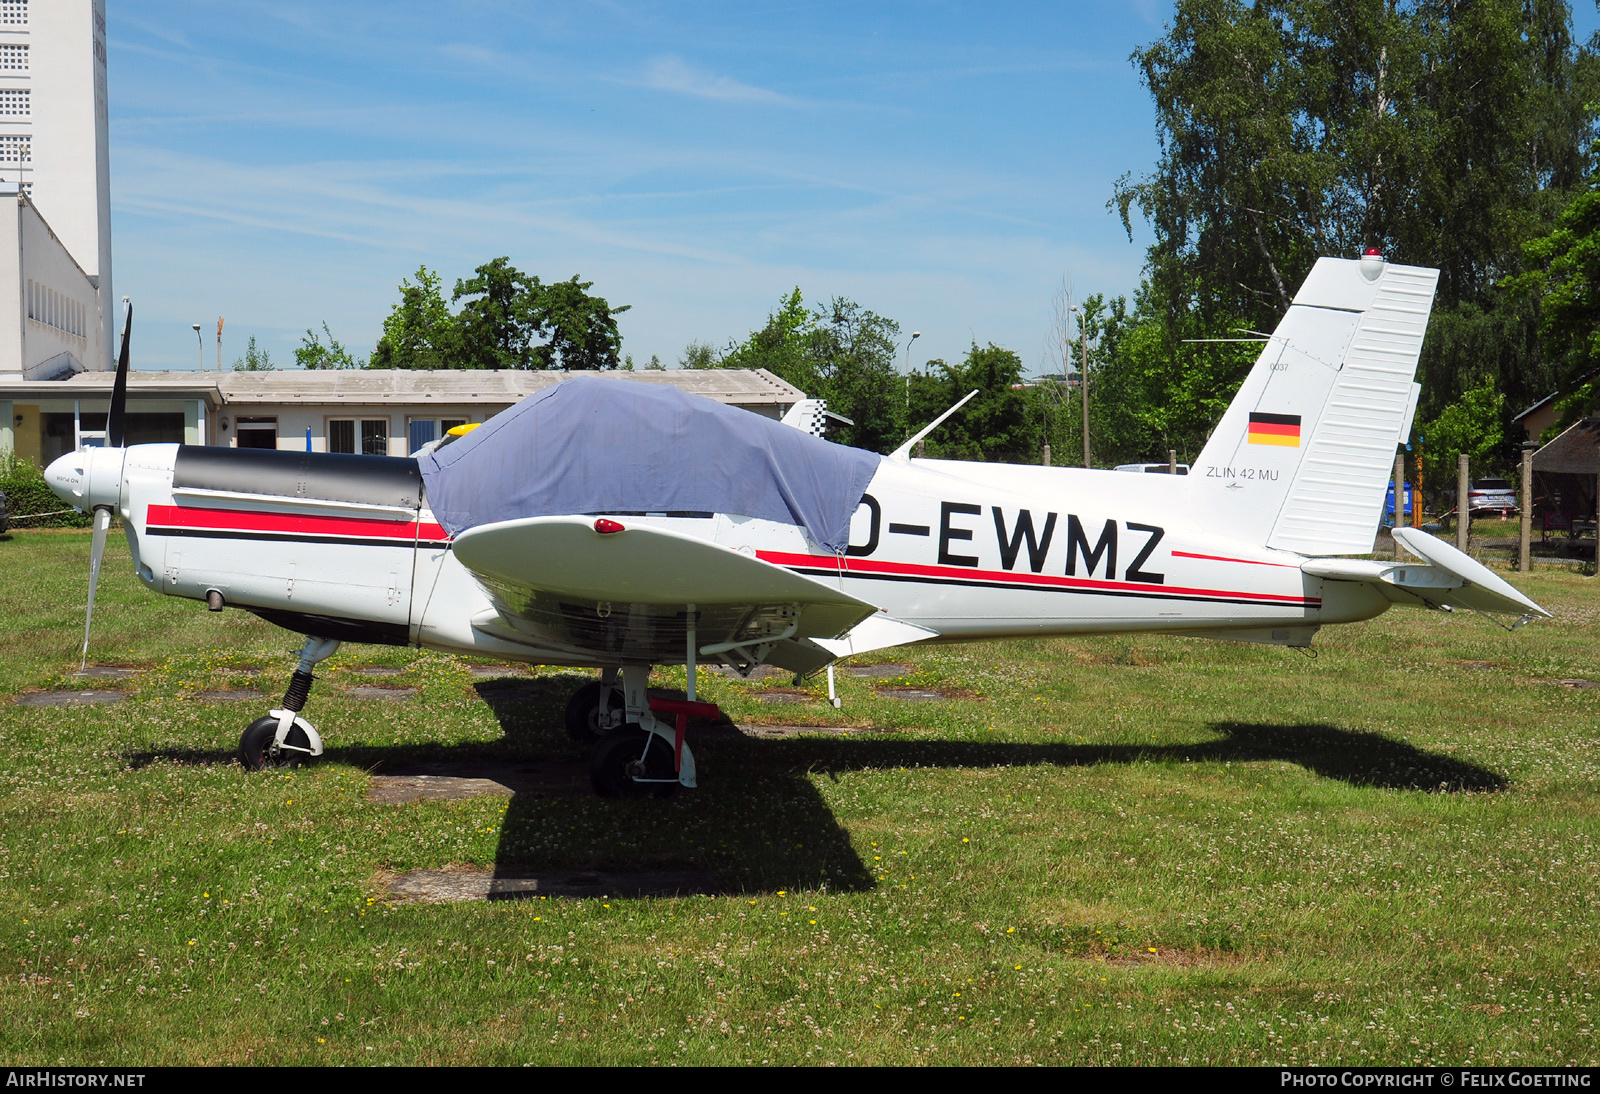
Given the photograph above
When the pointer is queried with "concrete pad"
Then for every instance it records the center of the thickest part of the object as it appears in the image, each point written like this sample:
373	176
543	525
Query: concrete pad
760	672
107	672
228	695
400	784
879	672
1578	685
801	731
469	883
915	695
783	695
488	672
394	695
88	697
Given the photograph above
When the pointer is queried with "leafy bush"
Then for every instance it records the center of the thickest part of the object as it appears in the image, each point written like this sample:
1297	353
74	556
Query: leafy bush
28	495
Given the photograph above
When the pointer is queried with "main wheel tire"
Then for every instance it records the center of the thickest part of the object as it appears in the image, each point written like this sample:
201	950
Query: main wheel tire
583	711
258	749
616	761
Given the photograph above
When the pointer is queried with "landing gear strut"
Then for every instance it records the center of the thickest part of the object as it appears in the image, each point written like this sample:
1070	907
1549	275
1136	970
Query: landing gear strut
283	738
596	709
646	754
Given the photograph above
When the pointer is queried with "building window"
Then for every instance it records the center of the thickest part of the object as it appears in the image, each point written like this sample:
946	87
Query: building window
14	13
427	430
366	436
14	102
15	149
13	58
256	433
53	309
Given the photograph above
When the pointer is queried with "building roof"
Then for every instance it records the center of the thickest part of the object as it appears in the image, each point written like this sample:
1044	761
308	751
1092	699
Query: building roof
357	387
1575	452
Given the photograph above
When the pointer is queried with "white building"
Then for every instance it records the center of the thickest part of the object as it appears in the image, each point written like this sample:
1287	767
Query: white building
55	166
376	412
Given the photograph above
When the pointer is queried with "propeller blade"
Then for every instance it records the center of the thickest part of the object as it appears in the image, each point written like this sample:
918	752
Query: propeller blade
102	521
119	389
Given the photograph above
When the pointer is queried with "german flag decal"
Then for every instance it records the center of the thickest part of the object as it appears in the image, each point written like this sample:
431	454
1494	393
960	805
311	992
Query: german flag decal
1281	429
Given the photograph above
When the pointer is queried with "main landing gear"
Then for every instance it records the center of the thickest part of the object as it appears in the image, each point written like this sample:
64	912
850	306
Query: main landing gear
283	738
636	753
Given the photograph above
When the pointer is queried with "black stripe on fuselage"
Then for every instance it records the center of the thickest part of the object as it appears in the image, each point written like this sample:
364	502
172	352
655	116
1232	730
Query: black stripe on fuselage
286	537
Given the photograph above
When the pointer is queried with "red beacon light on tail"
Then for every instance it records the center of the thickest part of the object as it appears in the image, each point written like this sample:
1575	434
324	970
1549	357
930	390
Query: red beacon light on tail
1372	263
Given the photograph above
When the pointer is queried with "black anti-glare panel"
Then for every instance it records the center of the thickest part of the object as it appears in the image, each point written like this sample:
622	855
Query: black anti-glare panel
329	476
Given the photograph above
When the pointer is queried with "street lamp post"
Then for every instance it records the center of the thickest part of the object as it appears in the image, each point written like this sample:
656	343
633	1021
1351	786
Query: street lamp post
199	349
914	336
1083	380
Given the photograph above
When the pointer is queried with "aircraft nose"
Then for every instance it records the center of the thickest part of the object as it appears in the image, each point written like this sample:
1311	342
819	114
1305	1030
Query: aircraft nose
88	477
69	478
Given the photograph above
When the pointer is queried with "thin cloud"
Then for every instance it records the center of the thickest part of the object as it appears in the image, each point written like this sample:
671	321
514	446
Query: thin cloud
674	75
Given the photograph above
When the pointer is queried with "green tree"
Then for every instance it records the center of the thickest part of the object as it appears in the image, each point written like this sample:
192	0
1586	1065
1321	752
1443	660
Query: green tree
1000	423
840	352
581	329
1473	424
499	322
312	354
254	359
1443	133
697	354
419	331
507	319
1564	278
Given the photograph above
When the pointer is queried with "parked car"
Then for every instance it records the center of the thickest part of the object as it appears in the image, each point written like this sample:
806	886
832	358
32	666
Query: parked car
1492	496
1151	468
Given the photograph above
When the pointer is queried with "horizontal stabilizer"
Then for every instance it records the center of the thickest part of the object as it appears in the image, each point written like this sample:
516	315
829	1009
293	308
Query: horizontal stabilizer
1447	578
876	633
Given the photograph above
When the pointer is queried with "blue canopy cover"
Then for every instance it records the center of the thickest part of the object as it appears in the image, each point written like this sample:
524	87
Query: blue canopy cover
609	445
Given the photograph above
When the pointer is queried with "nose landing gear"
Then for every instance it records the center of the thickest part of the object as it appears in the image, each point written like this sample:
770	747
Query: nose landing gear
283	738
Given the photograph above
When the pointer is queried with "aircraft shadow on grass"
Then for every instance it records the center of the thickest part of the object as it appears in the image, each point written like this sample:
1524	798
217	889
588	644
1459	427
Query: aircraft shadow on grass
759	824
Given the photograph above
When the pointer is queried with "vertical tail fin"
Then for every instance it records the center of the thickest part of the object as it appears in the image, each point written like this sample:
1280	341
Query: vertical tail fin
1302	457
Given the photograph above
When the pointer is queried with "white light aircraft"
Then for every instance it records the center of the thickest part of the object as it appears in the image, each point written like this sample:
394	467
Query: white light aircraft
618	526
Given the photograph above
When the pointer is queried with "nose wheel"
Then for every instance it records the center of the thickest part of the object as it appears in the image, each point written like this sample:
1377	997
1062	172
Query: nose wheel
259	749
283	738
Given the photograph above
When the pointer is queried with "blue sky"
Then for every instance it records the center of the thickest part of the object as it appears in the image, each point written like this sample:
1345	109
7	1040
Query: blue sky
284	164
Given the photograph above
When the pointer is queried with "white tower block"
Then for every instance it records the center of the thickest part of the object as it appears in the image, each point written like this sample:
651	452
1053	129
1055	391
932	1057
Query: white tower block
61	66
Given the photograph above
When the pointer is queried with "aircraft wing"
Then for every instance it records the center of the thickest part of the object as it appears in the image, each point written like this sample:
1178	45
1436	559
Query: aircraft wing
1446	578
625	594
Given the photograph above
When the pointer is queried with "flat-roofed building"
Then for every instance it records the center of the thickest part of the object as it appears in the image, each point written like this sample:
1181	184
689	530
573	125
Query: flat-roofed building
388	412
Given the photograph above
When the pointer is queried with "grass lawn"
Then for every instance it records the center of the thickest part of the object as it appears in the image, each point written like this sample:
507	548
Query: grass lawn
1109	850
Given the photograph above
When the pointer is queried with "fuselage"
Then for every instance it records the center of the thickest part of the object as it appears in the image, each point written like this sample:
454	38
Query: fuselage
347	547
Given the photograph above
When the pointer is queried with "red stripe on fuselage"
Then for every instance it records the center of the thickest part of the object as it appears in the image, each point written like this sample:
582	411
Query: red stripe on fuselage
866	568
1225	558
250	520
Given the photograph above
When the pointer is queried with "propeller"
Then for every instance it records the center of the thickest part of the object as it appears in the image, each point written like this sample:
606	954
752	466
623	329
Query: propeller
115	422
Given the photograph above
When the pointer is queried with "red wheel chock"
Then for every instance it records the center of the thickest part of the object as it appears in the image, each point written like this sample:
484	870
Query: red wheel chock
684	711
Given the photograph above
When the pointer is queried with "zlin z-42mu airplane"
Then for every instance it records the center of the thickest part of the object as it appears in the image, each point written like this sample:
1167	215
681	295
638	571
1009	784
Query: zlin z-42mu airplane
617	525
